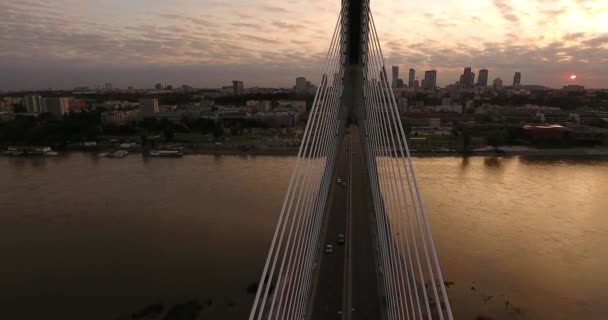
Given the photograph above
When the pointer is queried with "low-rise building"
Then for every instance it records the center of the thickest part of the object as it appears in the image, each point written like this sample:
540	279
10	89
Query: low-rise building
148	108
118	118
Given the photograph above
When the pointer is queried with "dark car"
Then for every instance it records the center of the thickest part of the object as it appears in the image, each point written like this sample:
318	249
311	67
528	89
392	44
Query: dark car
340	238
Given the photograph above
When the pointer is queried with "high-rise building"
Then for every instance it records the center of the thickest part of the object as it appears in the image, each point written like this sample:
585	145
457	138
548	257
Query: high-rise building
238	88
410	82
301	85
158	86
430	79
395	70
482	80
497	83
517	79
148	107
467	79
33	104
57	106
108	86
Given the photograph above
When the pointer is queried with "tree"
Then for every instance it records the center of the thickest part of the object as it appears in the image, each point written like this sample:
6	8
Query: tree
218	130
497	138
466	142
168	133
18	108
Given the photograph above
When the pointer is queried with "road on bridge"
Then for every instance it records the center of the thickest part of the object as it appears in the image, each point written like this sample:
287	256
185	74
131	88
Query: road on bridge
347	278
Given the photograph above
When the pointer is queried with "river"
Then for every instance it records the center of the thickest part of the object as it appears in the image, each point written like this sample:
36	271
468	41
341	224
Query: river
89	238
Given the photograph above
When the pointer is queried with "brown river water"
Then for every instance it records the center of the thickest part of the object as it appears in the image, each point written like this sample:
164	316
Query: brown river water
89	238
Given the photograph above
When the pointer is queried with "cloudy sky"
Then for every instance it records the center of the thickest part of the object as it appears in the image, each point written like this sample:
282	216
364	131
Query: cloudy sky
67	43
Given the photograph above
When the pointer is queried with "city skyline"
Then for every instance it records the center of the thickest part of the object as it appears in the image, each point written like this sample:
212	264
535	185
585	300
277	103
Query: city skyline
68	43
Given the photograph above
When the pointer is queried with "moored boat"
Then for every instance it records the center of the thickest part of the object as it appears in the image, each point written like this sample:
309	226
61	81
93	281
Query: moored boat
164	153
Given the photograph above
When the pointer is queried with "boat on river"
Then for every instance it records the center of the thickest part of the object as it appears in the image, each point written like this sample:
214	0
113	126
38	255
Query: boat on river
164	153
30	151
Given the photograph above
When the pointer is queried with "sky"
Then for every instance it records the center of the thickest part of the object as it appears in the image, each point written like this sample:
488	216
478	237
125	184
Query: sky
62	44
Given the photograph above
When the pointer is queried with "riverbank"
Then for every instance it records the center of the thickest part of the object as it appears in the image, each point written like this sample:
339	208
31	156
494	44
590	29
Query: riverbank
504	151
292	151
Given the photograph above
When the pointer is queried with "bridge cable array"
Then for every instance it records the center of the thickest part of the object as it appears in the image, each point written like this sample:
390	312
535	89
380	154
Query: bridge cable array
283	292
413	281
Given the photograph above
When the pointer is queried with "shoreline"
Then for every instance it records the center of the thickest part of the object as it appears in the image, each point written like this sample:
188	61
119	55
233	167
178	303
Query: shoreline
506	152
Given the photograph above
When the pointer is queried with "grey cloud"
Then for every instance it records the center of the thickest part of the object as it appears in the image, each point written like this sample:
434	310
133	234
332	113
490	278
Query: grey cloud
506	11
276	9
288	26
573	36
260	39
246	25
597	41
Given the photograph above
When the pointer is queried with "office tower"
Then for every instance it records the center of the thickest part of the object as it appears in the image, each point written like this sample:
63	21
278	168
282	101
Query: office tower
410	82
238	88
517	79
430	79
467	79
108	86
148	107
395	76
301	85
497	83
33	104
57	106
482	80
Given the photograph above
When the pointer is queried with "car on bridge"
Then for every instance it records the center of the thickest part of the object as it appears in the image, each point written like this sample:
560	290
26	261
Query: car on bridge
341	238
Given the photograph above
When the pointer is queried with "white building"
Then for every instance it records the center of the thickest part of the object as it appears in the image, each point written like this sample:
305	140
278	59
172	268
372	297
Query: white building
33	104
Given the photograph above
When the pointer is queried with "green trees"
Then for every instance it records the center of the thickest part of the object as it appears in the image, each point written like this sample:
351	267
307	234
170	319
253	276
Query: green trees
497	138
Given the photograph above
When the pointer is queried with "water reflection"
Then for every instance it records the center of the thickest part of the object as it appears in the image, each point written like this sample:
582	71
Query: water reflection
465	162
492	162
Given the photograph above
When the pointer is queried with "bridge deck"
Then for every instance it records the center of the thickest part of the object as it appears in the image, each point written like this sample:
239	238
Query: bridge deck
349	275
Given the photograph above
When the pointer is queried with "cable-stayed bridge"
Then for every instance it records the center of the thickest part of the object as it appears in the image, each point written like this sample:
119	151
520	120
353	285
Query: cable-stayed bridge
354	181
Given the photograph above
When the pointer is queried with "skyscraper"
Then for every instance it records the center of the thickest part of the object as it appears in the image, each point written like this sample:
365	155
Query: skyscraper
467	79
301	86
517	79
430	79
410	82
482	80
395	76
238	88
33	104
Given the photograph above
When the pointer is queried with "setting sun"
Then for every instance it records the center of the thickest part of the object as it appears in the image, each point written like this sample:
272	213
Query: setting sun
572	77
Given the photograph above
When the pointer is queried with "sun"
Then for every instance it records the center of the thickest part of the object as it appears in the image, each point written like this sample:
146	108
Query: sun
572	77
